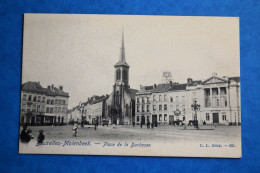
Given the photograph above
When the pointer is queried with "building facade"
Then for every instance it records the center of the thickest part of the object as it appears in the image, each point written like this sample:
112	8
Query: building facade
43	106
121	103
218	97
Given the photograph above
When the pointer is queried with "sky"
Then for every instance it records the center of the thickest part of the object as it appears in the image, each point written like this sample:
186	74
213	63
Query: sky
79	51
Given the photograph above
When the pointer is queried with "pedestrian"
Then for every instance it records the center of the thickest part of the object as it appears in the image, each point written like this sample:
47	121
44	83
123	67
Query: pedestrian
148	124
75	129
152	124
155	124
133	124
41	137
26	134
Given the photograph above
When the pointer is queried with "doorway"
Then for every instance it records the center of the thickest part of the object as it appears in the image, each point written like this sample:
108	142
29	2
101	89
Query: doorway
154	118
215	118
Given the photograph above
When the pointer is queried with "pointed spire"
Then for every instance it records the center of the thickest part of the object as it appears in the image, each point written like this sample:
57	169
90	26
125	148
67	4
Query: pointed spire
122	52
122	61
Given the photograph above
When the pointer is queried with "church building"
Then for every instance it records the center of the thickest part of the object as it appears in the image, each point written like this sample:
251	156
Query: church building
121	103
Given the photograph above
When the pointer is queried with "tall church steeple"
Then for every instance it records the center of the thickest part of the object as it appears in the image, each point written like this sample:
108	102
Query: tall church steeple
121	67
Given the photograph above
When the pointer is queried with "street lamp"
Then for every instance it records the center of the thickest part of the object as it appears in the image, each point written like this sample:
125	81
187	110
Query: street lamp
195	107
81	108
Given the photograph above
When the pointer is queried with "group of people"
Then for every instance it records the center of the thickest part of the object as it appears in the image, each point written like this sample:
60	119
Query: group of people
26	135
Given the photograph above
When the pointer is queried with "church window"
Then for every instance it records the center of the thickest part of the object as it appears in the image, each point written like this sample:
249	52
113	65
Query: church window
118	74
126	109
125	75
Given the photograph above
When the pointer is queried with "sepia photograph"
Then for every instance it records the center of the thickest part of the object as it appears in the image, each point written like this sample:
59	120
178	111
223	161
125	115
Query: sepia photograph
130	85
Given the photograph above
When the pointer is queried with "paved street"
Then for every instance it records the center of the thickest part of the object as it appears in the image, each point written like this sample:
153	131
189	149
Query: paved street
161	133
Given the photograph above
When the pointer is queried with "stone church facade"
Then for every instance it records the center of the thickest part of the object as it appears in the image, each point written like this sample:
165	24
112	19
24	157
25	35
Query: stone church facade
120	106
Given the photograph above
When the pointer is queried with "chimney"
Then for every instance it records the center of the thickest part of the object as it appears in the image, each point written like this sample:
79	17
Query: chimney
189	80
171	83
154	86
61	88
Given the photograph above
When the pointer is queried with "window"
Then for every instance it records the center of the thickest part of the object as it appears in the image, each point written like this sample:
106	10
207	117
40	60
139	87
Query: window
165	107
64	102
225	103
171	99
165	117
148	101
137	118
224	117
160	107
148	108
56	110
217	102
34	98
137	108
29	108
52	102
38	108
154	107
126	110
23	107
30	98
160	117
207	116
39	98
24	97
118	74
51	110
142	108
33	108
48	101
171	108
47	110
142	100
183	99
165	97
160	98
177	98
56	101
43	99
154	98
125	75
59	109
137	100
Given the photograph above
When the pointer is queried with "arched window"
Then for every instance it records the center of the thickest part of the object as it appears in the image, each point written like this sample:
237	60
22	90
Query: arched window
126	110
117	98
118	74
125	75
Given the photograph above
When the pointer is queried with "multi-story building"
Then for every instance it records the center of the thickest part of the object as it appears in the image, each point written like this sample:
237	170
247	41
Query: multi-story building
218	97
43	106
143	104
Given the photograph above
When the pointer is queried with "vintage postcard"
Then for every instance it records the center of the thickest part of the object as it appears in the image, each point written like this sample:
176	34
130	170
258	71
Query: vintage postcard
130	85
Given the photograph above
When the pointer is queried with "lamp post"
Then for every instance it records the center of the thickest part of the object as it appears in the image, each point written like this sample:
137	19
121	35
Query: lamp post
81	108
195	107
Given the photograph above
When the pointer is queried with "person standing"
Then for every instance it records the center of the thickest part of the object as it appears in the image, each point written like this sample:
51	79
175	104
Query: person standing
26	134
41	137
75	129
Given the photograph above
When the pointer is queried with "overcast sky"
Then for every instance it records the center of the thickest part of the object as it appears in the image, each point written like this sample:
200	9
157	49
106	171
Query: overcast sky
79	51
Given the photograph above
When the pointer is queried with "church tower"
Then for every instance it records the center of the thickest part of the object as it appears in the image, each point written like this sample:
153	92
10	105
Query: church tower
121	85
122	68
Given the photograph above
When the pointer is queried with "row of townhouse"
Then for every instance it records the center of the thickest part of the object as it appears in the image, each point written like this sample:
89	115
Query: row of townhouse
43	106
94	108
218	97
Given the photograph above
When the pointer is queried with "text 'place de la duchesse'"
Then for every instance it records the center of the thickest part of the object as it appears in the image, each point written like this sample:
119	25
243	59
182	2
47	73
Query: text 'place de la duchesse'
168	103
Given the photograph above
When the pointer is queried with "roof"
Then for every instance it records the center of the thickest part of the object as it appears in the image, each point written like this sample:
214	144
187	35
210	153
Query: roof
237	79
37	88
195	83
162	88
131	92
178	87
